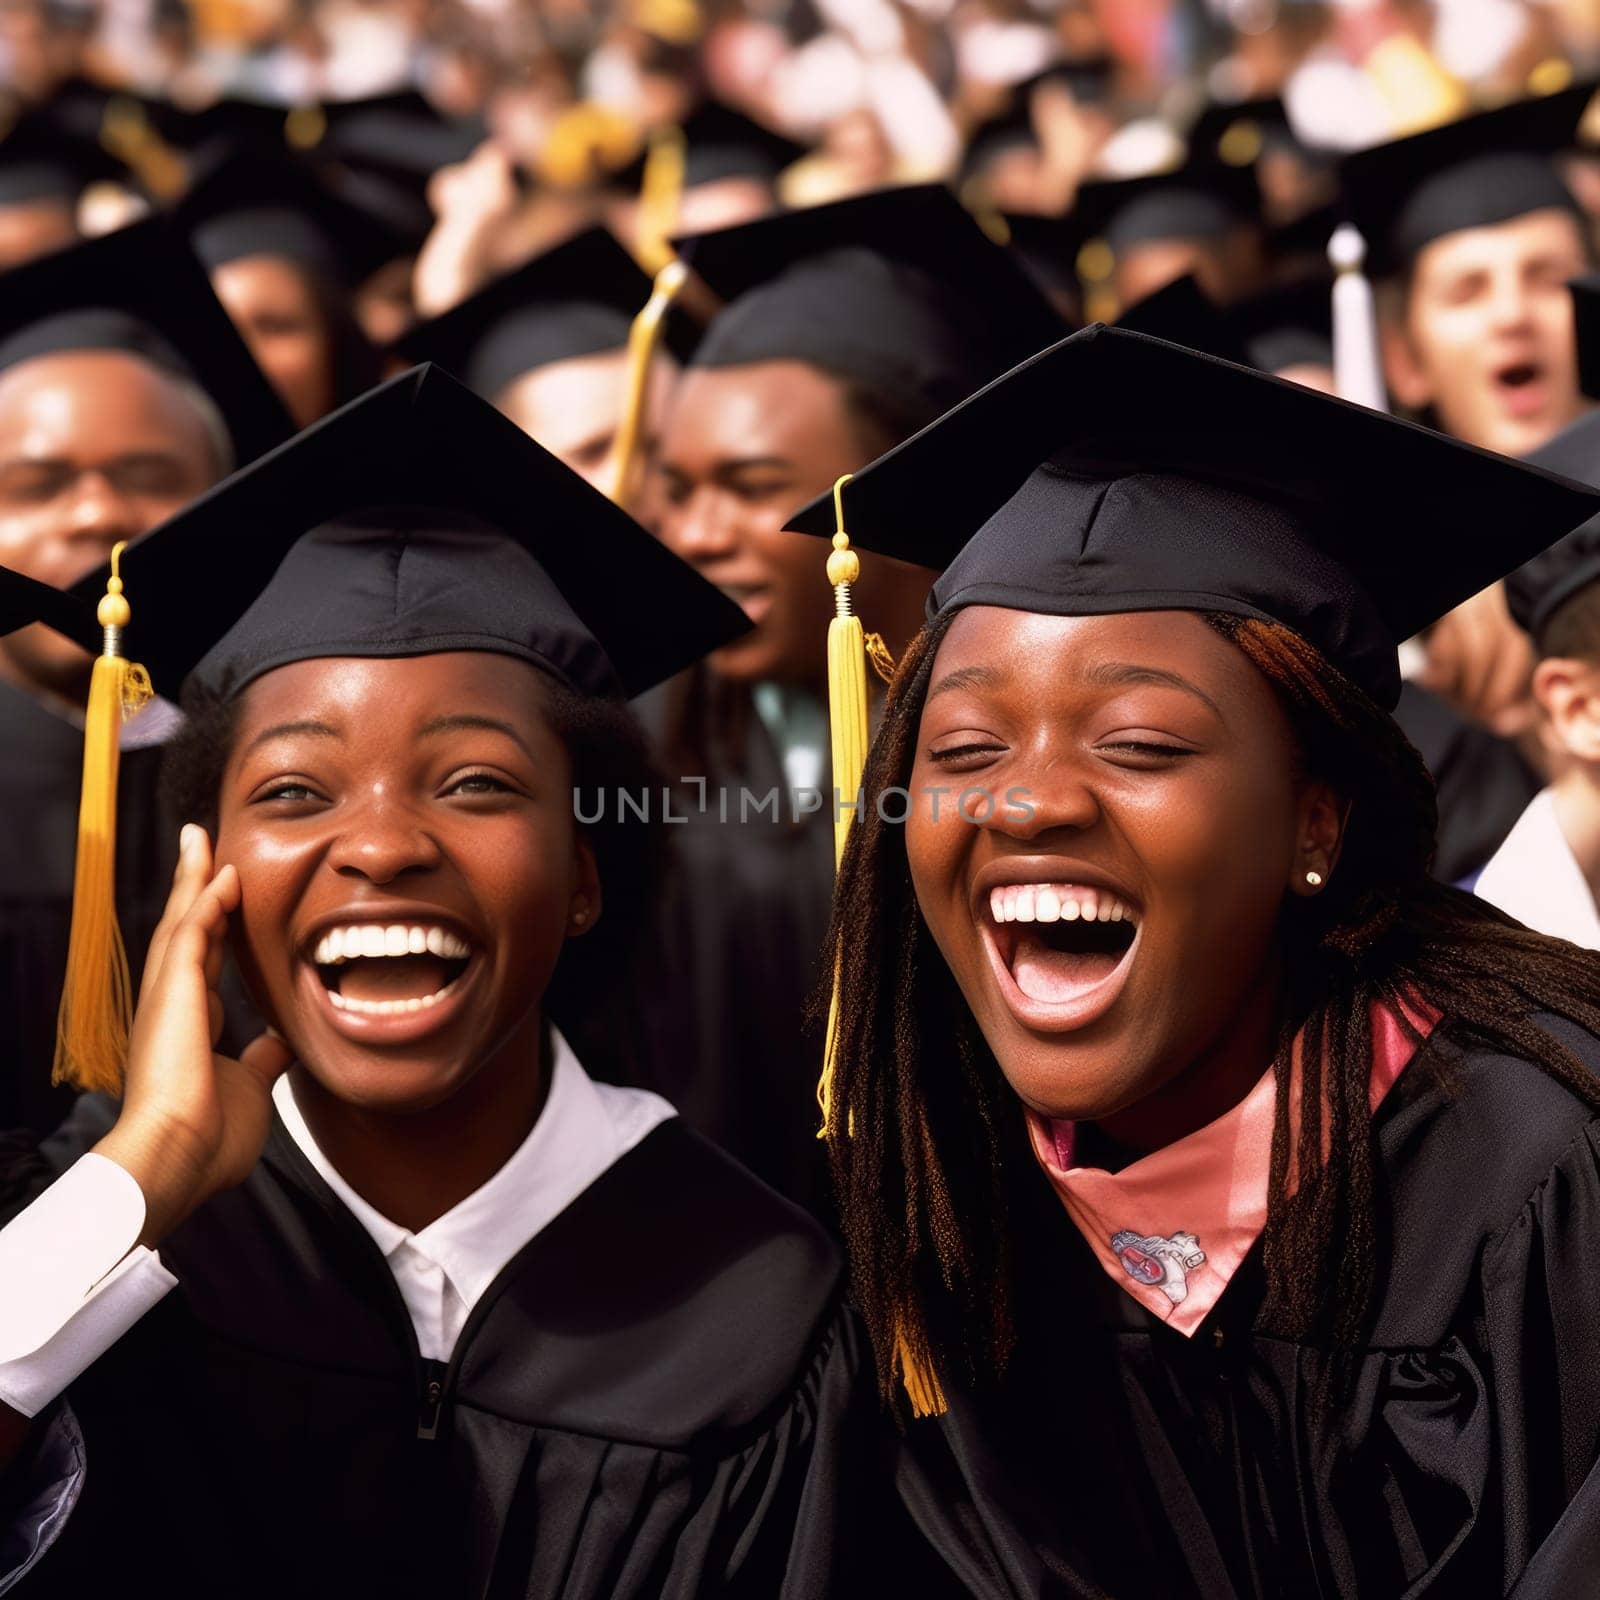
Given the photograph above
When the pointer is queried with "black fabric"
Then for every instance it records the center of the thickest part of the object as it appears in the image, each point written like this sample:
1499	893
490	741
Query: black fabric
415	520
1472	173
1586	322
724	981
1286	326
659	1396
1482	782
1202	200
40	782
899	290
141	290
719	143
1537	590
398	137
1119	1458
1238	132
1115	472
43	157
1181	313
24	600
579	299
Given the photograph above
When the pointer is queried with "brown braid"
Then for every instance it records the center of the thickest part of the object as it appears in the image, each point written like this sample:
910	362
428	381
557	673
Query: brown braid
937	1136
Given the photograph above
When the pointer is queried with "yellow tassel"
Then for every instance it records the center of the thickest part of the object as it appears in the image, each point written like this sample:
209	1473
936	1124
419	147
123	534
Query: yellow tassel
660	191
97	997
919	1381
644	339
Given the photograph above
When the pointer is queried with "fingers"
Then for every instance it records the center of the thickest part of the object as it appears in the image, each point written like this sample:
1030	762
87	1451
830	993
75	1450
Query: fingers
199	934
188	881
268	1057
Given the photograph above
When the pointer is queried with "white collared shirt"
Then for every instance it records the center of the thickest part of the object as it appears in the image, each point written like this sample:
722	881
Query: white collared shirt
71	1286
1535	878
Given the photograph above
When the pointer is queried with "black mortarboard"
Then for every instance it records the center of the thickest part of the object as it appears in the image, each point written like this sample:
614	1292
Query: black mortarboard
399	136
415	520
41	158
1200	200
1586	321
718	143
252	201
576	300
1237	133
1181	313
1047	247
1473	173
900	290
141	290
1011	128
25	600
1537	590
1288	325
1116	472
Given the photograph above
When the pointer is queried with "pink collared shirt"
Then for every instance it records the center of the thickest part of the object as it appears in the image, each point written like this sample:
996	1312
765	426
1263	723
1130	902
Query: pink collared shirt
1172	1227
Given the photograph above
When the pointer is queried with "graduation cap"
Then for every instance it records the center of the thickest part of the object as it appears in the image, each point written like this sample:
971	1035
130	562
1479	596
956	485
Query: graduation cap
1475	172
1237	133
1182	313
1087	80
415	520
901	290
1199	200
399	136
718	142
1289	325
255	201
579	299
1586	321
1116	472
1539	588
43	159
24	601
141	290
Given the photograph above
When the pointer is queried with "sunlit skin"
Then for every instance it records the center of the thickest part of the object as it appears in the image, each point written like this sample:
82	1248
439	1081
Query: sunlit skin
33	229
95	446
1484	335
1159	766
274	306
742	450
427	789
574	409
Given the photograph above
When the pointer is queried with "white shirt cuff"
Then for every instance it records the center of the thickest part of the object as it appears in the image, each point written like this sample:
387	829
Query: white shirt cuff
73	1281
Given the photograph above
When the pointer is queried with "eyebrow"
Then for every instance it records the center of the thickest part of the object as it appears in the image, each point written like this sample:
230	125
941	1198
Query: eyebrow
973	677
1116	674
285	730
465	721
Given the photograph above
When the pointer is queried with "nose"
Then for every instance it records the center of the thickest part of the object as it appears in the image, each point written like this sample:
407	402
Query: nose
1053	796
382	840
1510	303
100	511
703	527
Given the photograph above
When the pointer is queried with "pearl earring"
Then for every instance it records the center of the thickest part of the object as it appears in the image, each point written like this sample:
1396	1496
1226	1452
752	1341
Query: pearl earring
579	917
1314	880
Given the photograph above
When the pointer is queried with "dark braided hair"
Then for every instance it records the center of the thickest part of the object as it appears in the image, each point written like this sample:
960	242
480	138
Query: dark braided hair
938	1139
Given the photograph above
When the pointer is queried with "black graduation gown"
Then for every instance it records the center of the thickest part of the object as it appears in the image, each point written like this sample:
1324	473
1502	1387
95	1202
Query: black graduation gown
736	955
659	1396
1483	784
1120	1458
40	778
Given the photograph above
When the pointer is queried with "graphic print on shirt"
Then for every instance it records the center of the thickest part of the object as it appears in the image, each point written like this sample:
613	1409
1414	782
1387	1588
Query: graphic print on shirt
1160	1262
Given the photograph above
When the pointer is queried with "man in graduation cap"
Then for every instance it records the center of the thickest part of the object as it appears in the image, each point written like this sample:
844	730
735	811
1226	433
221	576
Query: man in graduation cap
548	344
124	393
44	170
845	327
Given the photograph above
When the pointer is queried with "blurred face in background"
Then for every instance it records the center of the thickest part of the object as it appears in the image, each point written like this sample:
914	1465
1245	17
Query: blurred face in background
96	446
274	305
1484	334
35	228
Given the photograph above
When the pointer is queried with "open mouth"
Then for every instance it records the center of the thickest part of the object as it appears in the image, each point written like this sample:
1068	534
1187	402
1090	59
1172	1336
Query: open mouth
390	969
1521	387
1061	950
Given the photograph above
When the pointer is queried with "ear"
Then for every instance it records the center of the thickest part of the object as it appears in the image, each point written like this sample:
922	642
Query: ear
1568	693
1402	368
584	905
1320	837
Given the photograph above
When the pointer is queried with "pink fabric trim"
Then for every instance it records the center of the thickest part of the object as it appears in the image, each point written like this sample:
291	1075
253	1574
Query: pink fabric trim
1172	1227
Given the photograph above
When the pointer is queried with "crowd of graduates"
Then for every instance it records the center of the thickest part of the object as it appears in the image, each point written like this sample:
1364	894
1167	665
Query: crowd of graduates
800	800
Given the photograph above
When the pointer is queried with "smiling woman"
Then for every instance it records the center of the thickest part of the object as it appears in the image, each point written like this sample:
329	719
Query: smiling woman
1225	1184
468	1321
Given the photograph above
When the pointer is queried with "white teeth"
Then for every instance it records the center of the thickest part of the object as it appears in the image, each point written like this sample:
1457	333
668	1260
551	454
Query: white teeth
371	940
389	1008
1055	902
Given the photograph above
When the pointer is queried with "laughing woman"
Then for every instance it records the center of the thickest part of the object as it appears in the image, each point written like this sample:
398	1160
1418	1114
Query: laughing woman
1228	1189
432	1312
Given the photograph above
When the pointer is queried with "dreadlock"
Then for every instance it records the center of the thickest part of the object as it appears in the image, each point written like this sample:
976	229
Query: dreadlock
937	1138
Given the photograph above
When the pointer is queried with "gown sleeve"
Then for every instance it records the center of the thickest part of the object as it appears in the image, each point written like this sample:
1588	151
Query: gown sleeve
1541	1292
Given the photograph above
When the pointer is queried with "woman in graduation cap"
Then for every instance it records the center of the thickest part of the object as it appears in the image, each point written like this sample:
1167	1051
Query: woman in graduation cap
432	1313
836	340
1223	1188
